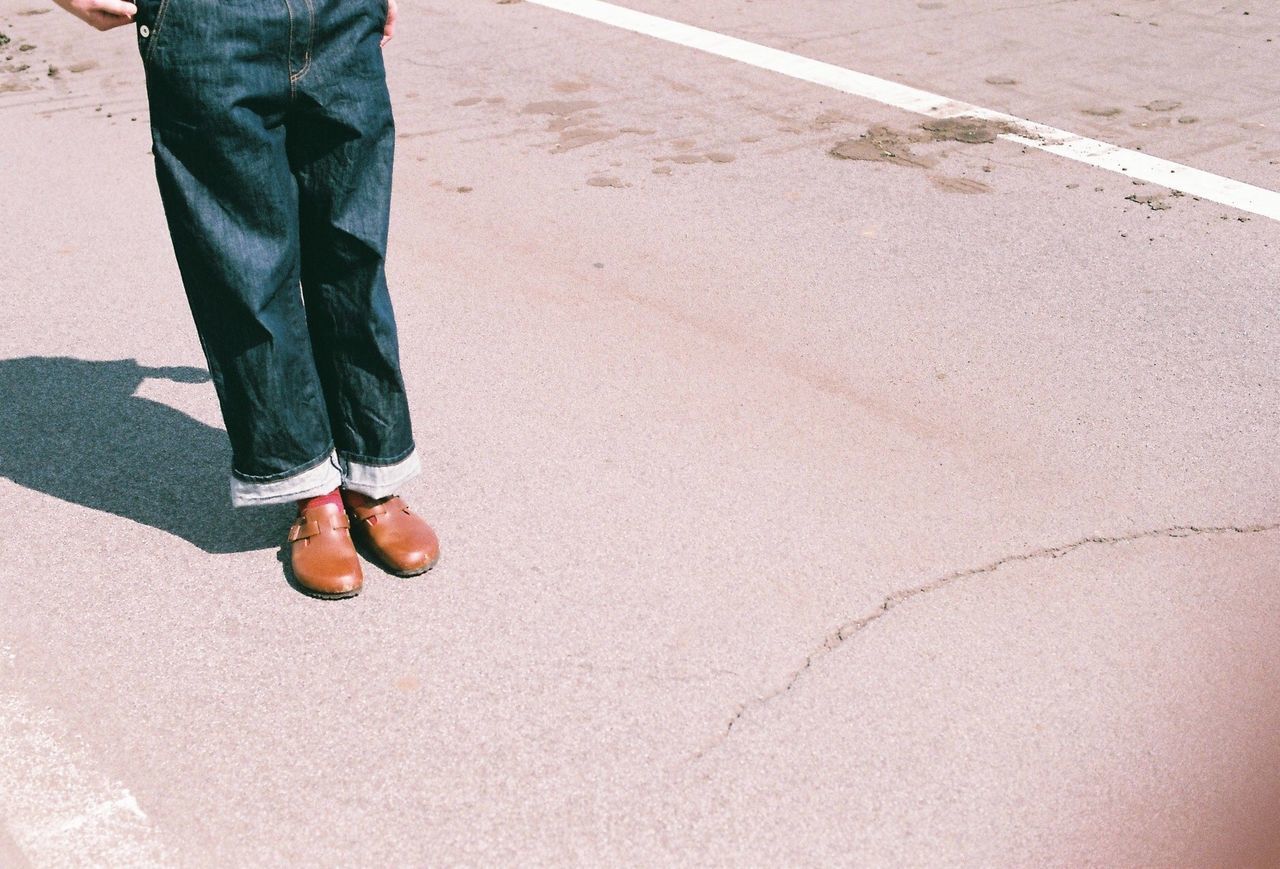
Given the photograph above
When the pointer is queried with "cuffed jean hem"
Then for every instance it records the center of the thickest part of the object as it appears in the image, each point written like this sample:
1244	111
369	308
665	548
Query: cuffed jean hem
379	481
320	479
376	481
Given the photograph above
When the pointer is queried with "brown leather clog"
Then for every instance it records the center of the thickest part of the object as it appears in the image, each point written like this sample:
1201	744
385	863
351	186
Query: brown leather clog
322	553
402	540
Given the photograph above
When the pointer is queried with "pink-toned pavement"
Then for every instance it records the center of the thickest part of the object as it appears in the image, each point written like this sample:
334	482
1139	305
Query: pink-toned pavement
794	510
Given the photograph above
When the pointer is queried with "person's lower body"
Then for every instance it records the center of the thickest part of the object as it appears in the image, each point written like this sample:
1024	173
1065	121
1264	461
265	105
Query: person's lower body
273	140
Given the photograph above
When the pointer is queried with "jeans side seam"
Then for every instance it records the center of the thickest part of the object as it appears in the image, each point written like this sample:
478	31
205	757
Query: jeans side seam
155	30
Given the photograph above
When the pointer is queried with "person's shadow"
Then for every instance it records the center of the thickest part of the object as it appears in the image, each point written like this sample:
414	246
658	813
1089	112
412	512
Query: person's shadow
75	430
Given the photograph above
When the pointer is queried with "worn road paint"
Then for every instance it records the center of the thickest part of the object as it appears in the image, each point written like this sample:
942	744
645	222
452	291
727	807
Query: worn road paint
56	807
1092	152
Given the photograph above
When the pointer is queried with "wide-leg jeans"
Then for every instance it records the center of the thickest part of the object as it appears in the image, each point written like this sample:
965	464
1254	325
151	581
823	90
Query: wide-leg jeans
273	139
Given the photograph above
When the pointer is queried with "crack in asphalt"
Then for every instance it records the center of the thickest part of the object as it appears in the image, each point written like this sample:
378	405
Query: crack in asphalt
849	629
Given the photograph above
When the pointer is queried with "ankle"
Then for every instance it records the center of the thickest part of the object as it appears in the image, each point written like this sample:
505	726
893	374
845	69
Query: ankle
334	498
358	499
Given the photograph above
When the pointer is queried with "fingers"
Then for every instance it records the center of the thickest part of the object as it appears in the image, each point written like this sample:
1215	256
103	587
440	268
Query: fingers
117	7
106	14
119	11
108	22
389	27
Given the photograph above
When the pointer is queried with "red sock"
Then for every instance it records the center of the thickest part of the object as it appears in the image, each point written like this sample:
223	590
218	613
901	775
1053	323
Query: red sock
334	498
356	499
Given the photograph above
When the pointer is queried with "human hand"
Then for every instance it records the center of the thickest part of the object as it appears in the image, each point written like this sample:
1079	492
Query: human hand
102	14
389	27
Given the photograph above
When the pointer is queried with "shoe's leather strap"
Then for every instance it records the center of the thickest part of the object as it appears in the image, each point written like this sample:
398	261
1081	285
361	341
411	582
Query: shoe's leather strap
303	530
304	527
382	508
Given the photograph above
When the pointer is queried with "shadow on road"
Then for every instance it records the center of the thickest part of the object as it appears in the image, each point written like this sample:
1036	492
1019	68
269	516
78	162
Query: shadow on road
75	430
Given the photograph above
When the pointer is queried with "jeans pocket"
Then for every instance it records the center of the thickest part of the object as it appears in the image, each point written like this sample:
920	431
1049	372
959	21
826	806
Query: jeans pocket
150	19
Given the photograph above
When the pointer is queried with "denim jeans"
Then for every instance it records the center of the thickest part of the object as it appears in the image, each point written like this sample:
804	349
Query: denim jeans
273	137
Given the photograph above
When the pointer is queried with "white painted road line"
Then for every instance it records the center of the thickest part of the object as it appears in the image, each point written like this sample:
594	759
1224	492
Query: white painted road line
1103	155
56	807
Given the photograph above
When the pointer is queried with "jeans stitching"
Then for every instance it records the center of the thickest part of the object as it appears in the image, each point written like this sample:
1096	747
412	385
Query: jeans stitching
311	35
288	58
155	30
311	38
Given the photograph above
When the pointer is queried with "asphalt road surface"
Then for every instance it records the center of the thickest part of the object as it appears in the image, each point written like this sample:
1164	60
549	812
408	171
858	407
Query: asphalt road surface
817	484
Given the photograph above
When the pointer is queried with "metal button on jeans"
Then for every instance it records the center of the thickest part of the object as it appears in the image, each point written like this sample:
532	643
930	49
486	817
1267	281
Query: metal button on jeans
144	31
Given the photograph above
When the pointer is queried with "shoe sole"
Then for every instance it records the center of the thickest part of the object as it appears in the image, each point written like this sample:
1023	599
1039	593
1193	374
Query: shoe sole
405	574
327	595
